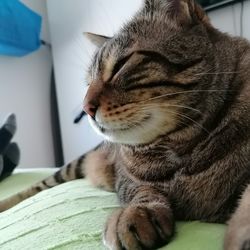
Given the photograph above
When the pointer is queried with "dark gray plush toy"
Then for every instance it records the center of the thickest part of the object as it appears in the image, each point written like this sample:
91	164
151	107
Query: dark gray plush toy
9	151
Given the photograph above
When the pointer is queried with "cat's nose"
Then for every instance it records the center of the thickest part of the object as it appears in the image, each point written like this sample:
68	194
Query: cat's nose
90	108
92	99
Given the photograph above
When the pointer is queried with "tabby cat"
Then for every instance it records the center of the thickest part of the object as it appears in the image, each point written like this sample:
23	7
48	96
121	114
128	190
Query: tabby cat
171	95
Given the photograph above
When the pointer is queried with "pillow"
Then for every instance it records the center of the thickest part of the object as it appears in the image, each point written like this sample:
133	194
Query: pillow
72	216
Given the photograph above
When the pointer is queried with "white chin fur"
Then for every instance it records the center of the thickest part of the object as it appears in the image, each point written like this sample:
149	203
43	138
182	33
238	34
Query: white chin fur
146	133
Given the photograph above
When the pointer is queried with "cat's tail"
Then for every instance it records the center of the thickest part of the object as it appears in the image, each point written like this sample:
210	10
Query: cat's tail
84	165
97	165
72	171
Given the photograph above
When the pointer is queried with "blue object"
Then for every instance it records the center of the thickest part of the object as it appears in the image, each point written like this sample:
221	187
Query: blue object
20	29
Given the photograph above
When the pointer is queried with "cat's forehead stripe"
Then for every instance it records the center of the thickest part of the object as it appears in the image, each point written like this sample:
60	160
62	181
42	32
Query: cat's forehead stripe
109	63
109	59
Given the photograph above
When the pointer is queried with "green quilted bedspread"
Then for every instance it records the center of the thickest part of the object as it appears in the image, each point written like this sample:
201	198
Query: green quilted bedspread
71	216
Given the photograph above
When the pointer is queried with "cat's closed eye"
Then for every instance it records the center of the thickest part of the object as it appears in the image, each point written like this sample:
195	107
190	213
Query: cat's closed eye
119	65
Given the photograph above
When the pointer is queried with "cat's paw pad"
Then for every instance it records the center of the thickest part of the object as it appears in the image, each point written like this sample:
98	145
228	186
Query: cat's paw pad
139	227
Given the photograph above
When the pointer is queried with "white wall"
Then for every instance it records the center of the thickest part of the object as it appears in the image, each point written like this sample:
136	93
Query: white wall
25	90
228	19
71	53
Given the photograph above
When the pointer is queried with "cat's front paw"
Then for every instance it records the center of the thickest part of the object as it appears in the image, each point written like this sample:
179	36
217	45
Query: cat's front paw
238	238
139	227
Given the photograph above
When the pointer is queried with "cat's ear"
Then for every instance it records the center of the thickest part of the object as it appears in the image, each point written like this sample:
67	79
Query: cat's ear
191	10
97	40
179	11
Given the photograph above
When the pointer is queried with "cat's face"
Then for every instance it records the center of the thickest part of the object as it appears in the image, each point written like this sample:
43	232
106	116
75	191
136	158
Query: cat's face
138	78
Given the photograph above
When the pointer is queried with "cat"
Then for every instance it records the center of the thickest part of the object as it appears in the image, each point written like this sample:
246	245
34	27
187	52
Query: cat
171	96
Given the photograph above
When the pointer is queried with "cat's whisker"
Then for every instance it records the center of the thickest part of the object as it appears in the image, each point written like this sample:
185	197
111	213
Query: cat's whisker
190	119
136	124
149	108
182	121
218	73
182	92
182	106
185	107
181	115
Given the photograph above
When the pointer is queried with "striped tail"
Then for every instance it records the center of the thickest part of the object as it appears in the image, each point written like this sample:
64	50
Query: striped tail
72	171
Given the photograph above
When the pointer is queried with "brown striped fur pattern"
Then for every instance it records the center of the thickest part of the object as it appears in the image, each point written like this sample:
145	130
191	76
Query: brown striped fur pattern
171	96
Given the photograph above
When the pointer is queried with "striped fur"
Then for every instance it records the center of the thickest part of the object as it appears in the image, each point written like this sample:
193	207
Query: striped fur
72	171
171	96
97	165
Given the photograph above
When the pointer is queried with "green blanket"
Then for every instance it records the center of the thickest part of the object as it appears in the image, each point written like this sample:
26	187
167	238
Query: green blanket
71	216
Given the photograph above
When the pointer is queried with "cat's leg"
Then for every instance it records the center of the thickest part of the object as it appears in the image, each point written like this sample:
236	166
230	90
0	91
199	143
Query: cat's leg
238	232
95	165
100	169
145	223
